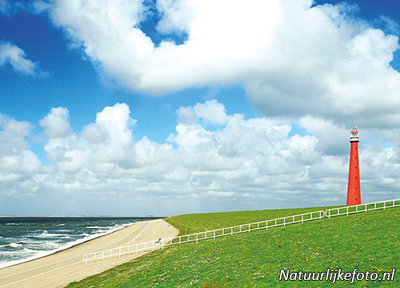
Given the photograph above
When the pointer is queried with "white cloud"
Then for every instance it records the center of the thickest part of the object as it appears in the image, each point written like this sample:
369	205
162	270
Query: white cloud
17	161
16	58
210	112
330	136
107	143
314	65
56	123
255	163
293	59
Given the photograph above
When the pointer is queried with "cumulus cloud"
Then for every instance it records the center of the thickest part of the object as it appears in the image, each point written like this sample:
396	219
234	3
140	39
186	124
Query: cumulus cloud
330	136
211	112
56	123
14	56
17	161
107	142
238	164
292	57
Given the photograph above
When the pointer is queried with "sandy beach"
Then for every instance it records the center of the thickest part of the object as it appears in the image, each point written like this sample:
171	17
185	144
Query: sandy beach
62	268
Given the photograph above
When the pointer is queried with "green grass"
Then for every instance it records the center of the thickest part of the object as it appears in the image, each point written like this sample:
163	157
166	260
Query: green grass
192	223
366	241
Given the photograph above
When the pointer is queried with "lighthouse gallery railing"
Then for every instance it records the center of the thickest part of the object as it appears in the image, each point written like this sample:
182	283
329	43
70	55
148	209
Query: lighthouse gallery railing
212	234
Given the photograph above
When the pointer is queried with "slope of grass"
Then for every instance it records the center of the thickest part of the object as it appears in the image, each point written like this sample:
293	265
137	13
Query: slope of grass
367	241
192	223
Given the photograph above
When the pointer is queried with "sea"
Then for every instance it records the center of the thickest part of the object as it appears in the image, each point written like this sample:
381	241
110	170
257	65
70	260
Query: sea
27	238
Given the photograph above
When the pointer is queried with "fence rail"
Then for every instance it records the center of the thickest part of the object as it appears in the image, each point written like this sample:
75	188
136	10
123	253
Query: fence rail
347	210
212	234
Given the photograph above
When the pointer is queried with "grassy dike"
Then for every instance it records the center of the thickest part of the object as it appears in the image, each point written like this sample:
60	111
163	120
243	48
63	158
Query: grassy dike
366	241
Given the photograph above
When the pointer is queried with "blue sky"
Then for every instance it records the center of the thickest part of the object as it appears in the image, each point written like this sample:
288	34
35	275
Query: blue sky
237	107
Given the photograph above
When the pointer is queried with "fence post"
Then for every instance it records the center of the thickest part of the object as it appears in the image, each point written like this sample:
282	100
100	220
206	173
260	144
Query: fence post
164	242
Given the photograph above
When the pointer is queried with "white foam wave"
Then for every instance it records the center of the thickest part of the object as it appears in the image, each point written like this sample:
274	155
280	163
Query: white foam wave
56	247
44	234
11	245
28	255
14	245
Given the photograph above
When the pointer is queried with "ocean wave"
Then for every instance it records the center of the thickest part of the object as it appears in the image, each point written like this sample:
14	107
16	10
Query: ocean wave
43	234
42	242
64	230
20	256
14	245
11	245
48	246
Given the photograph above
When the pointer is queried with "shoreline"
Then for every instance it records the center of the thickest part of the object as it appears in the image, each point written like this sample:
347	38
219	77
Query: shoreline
67	246
66	266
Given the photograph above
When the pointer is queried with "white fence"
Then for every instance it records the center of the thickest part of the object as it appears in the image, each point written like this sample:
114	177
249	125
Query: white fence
152	245
347	210
301	218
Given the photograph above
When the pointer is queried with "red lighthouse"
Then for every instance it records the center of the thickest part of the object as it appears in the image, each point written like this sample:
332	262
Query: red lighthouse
353	189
